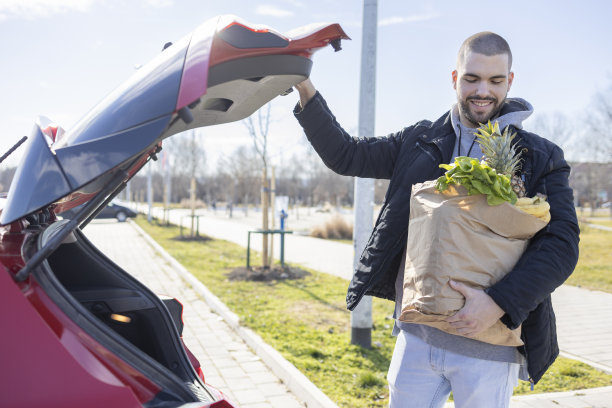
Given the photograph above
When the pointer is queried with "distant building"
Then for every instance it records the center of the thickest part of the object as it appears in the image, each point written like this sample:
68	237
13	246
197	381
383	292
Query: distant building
592	183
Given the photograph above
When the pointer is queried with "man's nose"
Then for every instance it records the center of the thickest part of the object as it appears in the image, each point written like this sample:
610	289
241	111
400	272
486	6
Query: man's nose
483	88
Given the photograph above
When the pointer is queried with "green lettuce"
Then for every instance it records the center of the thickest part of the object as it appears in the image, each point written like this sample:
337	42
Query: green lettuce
478	178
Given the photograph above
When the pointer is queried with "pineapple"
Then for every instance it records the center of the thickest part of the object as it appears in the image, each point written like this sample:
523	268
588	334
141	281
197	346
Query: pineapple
501	155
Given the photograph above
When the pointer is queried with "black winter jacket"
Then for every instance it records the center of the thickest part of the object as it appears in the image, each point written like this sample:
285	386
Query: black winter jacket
413	155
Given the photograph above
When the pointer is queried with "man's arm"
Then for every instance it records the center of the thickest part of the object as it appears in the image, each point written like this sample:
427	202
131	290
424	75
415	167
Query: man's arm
368	157
306	90
552	253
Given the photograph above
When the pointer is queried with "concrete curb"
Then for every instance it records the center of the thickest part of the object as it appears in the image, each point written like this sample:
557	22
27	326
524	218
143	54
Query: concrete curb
594	364
297	382
554	399
563	394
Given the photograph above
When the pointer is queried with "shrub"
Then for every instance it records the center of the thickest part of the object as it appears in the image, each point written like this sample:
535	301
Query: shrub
186	203
335	228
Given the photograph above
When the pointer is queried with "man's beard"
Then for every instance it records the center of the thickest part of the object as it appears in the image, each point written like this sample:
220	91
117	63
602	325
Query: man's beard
478	118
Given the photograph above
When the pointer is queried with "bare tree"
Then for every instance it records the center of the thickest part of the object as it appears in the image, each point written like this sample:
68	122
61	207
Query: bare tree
590	179
292	181
6	176
244	170
599	126
189	159
258	129
556	127
591	184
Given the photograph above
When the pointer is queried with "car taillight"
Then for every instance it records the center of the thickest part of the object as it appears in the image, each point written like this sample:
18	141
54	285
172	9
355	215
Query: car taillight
217	404
200	374
221	404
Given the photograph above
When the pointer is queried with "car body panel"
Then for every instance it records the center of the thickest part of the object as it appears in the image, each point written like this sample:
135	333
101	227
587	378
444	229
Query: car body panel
148	94
36	180
52	347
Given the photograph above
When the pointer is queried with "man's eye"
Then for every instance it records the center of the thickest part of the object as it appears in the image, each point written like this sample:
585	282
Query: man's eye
470	80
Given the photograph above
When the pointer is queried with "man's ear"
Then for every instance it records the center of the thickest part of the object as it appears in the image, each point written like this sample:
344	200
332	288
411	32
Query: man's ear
454	76
510	79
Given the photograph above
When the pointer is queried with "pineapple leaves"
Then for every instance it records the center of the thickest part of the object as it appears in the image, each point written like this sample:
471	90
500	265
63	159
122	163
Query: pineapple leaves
478	178
498	148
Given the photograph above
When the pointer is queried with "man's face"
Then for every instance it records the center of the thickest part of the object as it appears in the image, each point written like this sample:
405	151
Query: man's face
482	83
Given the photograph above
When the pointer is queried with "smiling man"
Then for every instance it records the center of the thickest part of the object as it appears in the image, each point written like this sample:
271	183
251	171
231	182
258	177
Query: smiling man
427	363
482	78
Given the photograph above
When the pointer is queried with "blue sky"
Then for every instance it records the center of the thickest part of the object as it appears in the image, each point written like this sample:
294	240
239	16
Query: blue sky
59	58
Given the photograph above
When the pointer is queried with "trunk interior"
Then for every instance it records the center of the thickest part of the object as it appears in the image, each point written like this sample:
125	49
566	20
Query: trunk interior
126	307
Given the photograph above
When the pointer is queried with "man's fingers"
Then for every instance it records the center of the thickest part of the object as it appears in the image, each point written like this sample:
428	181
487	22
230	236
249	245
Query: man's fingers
463	327
465	290
478	313
455	318
459	324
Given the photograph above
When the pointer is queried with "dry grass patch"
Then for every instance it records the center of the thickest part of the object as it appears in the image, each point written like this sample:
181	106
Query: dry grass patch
335	228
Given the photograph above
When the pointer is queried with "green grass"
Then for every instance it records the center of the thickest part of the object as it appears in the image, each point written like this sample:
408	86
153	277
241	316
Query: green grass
594	269
601	221
307	322
565	375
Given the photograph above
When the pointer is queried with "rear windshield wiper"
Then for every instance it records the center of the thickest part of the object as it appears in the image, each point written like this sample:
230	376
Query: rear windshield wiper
12	149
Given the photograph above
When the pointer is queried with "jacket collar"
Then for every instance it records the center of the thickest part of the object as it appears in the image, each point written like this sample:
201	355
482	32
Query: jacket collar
444	136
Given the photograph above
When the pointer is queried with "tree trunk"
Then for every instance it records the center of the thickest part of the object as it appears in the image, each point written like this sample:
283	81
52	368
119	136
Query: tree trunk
264	215
246	205
273	214
192	196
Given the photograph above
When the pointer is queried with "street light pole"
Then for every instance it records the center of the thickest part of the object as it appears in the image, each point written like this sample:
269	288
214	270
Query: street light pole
361	316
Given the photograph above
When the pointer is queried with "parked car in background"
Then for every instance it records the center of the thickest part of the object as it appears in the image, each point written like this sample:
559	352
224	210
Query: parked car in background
112	210
77	330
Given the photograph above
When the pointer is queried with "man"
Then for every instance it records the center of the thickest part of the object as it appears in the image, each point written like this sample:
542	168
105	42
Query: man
428	363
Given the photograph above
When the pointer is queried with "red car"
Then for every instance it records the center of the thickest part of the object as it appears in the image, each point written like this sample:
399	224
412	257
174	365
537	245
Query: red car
77	330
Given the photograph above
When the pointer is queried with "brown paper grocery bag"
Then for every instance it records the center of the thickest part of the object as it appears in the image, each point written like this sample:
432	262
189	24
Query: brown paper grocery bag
455	236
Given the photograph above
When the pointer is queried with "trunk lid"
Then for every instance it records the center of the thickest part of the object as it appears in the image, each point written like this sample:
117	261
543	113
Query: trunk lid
222	72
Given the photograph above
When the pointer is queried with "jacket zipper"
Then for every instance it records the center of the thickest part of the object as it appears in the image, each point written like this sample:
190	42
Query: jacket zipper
531	382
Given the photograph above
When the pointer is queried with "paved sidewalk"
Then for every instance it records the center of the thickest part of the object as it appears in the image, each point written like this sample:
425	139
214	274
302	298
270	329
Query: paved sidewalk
227	362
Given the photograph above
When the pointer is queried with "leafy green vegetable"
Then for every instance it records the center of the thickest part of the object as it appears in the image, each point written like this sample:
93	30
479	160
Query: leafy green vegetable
478	178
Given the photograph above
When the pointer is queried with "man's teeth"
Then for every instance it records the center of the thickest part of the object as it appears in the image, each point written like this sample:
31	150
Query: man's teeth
485	103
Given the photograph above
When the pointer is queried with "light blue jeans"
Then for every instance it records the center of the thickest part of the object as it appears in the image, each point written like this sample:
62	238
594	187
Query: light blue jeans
422	376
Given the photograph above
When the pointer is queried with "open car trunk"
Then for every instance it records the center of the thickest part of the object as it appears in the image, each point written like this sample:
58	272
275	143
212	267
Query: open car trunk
97	294
109	334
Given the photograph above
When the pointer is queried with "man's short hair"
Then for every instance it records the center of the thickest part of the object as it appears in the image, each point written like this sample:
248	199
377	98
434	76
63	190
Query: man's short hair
486	43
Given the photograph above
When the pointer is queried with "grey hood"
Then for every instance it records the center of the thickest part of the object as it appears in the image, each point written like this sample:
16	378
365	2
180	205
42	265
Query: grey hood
514	112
